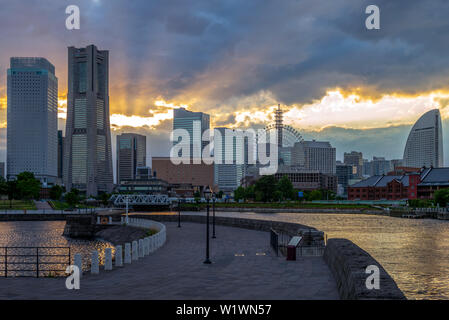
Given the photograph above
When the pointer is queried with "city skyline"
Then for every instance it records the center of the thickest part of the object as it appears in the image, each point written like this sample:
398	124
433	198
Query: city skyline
352	106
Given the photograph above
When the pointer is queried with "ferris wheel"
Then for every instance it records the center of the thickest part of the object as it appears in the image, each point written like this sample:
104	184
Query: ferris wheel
289	134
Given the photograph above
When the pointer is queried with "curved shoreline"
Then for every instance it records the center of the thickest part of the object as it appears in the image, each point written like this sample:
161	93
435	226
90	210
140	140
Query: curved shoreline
346	260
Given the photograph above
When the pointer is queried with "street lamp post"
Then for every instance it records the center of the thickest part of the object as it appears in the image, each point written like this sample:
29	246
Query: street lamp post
207	193
127	220
213	216
179	213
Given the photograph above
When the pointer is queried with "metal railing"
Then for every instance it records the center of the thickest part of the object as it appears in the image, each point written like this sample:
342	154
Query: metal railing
310	251
34	261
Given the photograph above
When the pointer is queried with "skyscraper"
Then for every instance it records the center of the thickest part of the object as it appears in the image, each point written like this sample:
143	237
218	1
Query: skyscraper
60	154
131	154
32	142
230	158
355	159
88	158
424	145
314	155
196	123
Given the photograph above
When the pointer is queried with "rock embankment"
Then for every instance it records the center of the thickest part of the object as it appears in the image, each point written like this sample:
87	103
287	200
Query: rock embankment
85	227
348	263
80	227
119	235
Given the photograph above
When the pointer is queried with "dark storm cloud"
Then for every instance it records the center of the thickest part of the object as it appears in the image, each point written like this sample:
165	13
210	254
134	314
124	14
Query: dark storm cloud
295	49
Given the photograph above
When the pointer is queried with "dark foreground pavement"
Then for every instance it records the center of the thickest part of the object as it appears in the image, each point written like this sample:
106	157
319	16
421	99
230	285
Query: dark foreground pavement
244	267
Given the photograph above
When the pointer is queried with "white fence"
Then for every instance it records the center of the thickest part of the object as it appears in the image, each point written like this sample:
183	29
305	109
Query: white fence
157	240
134	251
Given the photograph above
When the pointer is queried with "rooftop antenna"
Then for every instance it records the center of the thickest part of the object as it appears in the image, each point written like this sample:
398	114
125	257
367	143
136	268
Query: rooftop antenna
279	124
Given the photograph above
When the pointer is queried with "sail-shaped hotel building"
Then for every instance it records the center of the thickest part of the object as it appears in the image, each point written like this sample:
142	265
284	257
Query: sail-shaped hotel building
424	145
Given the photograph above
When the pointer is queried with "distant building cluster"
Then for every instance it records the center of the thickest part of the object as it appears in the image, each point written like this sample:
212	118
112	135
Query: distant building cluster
82	157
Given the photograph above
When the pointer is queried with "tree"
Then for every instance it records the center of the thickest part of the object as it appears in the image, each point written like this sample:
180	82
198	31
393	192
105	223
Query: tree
315	195
104	197
72	197
220	194
259	196
13	192
197	196
28	186
265	186
285	187
56	192
441	197
277	195
239	194
328	194
250	193
3	186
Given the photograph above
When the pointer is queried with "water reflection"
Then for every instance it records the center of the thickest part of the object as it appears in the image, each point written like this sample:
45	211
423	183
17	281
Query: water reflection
47	234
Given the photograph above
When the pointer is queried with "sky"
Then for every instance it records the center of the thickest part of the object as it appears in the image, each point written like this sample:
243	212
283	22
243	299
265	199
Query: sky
237	59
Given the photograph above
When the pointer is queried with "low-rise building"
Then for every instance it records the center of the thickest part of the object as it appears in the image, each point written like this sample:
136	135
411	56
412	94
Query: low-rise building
411	185
197	175
308	179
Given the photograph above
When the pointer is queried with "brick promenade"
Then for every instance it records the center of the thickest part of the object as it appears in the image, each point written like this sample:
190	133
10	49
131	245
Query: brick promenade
244	267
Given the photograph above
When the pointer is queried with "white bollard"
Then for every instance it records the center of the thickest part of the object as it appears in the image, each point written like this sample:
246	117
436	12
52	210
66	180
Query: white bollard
151	243
79	262
141	252
118	256
127	253
98	220
134	253
94	267
110	220
146	245
108	259
122	221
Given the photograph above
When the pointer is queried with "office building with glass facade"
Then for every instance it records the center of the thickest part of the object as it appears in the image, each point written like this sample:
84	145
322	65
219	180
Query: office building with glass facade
87	150
32	115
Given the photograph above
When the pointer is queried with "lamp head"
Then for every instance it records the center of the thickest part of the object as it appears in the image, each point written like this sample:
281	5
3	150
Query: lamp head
207	193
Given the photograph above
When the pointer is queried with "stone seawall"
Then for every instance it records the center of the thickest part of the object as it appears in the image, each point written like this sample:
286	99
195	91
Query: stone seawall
80	227
253	224
39	216
348	263
301	210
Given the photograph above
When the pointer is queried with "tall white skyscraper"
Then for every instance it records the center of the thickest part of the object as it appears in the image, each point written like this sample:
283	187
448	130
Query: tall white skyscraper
230	154
32	115
195	123
87	149
424	145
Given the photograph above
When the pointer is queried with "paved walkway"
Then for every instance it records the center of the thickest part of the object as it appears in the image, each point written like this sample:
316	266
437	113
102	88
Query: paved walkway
243	267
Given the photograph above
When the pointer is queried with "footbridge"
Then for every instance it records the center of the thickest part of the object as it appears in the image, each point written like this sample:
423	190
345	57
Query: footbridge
121	200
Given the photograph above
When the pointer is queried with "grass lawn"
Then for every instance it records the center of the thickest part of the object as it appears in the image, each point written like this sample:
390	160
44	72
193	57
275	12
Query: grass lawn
17	205
62	205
